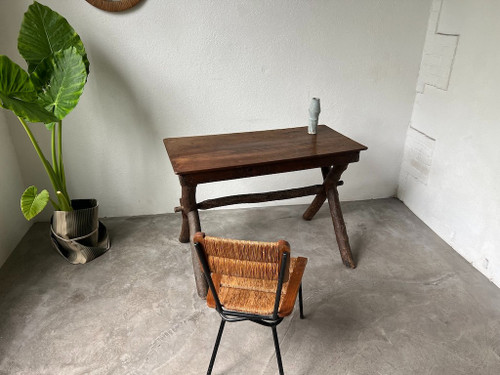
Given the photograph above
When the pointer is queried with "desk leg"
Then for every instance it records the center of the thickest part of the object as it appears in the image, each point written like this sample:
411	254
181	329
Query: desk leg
184	236
188	202
336	212
318	200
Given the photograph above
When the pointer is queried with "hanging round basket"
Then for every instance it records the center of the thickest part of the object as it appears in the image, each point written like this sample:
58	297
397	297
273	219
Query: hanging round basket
113	5
78	235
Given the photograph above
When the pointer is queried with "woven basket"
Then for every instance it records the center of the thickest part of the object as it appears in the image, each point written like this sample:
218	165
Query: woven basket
78	235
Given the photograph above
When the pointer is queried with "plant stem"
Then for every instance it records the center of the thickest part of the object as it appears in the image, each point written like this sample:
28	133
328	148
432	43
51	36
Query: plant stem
60	165
54	151
55	205
62	195
46	164
65	204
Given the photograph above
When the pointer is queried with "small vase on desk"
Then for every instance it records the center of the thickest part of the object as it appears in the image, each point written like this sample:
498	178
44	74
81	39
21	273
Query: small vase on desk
314	110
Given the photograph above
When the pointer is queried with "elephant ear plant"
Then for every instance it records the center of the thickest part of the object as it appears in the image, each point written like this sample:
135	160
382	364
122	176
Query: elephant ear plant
57	70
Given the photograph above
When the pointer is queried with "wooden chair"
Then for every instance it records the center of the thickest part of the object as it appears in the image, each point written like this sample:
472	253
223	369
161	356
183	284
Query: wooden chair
249	280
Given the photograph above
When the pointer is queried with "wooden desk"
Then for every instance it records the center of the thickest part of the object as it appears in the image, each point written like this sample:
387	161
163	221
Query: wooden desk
202	159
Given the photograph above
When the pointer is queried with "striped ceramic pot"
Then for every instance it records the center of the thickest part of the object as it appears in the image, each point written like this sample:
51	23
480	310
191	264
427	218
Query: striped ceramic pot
78	235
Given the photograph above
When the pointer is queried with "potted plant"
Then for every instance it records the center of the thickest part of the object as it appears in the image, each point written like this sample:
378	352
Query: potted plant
50	89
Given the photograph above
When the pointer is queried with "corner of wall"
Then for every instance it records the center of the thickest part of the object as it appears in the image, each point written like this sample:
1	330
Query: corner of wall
448	175
438	57
13	226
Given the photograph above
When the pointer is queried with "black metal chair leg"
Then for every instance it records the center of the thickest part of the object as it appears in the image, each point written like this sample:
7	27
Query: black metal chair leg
277	348
300	302
216	347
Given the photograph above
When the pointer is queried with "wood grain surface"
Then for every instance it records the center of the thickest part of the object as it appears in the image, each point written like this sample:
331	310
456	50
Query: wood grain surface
201	154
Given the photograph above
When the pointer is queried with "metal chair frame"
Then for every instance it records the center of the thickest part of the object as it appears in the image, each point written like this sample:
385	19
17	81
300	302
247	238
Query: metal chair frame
238	316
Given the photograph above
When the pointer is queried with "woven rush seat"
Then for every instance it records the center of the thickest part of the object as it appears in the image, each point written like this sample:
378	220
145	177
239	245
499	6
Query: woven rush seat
257	296
250	280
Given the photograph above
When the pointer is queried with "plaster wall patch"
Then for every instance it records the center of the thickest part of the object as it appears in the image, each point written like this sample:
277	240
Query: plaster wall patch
418	155
439	53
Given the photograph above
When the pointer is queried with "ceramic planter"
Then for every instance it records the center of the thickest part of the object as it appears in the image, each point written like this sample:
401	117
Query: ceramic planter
78	235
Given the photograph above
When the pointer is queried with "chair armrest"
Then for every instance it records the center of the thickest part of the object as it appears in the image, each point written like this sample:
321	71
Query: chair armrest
288	301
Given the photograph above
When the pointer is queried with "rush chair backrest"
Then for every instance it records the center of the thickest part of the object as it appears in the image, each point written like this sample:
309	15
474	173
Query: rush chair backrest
250	280
250	265
249	259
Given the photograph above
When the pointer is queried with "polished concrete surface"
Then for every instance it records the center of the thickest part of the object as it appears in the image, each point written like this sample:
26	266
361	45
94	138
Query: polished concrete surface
412	306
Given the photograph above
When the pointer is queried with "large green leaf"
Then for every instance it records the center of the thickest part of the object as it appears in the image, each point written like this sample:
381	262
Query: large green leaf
44	32
14	81
18	94
32	203
30	111
59	81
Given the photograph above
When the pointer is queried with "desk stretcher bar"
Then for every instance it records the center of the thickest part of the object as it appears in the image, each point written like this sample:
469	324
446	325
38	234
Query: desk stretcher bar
223	157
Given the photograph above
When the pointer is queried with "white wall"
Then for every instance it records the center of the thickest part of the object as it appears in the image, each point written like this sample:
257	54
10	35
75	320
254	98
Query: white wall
450	173
178	68
12	223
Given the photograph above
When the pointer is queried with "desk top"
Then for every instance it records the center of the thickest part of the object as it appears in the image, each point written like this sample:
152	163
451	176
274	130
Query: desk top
202	154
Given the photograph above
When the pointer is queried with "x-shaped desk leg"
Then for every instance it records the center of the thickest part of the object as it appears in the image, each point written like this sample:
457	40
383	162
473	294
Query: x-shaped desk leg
191	225
331	178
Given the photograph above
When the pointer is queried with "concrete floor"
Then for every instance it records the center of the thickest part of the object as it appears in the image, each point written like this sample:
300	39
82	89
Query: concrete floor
413	305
